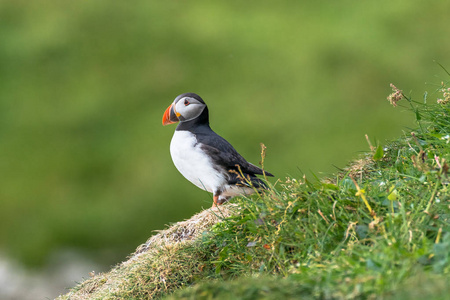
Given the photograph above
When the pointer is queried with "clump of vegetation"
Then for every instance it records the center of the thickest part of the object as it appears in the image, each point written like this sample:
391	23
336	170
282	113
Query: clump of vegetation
380	228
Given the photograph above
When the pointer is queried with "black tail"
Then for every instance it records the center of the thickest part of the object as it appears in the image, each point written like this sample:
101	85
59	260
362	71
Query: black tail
249	180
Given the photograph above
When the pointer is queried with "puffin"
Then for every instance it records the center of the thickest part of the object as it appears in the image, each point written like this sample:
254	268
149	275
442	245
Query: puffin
205	158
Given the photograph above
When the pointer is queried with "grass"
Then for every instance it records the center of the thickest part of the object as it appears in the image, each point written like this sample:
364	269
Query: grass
379	229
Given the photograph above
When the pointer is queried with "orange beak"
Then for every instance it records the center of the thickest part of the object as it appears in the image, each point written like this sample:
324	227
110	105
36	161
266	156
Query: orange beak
170	116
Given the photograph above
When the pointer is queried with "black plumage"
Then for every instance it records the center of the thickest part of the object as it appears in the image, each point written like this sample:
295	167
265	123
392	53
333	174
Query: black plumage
194	132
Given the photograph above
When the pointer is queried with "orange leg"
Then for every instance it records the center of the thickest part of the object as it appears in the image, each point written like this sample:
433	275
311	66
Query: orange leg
216	201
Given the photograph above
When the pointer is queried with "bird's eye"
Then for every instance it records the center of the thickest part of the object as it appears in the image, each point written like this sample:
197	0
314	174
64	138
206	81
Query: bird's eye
186	102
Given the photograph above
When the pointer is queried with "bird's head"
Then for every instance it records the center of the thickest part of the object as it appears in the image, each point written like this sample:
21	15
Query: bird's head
185	107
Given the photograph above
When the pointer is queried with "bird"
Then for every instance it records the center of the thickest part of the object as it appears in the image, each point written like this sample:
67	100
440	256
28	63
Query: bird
205	158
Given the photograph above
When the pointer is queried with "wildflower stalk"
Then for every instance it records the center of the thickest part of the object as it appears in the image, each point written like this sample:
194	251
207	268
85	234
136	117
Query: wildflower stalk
361	193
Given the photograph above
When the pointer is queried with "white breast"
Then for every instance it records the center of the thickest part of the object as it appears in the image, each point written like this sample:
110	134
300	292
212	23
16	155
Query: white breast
193	163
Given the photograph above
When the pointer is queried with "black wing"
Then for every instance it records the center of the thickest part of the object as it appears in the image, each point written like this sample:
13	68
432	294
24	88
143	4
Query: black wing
224	155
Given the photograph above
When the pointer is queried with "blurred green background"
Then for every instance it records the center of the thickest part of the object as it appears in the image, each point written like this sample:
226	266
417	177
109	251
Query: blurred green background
84	159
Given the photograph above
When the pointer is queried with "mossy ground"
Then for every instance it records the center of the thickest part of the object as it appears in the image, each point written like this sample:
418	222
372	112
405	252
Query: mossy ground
380	229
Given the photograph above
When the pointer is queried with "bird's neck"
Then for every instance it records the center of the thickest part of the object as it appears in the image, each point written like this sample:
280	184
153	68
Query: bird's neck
201	121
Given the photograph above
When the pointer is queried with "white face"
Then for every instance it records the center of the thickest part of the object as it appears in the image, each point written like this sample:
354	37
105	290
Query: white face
188	108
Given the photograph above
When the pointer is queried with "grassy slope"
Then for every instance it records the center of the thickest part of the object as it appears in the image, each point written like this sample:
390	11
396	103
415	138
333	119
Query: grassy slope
379	229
